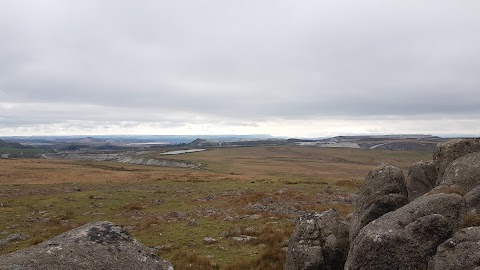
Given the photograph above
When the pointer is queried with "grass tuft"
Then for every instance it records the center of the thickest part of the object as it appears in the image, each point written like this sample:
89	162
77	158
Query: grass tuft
185	260
471	220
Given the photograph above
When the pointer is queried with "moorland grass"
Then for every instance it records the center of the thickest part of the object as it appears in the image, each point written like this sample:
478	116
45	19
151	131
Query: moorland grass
43	198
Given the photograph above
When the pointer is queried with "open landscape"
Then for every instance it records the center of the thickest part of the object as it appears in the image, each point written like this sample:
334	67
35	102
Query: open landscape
236	211
239	135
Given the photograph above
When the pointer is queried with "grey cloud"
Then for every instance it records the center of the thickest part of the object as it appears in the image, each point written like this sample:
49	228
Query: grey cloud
238	60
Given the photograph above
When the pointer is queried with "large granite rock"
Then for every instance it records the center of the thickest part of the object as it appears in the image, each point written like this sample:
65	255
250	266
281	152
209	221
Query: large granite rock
319	241
421	178
461	252
98	245
472	201
464	172
407	238
447	152
384	191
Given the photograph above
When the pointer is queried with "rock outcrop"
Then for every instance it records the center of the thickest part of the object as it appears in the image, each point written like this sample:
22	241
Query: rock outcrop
472	200
421	178
425	234
98	245
384	191
319	241
464	172
408	237
461	252
447	152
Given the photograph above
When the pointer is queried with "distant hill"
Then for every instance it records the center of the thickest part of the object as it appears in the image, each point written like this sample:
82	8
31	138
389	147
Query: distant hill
10	144
10	149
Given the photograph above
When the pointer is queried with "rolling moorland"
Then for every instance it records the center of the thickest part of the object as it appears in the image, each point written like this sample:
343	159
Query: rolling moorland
236	211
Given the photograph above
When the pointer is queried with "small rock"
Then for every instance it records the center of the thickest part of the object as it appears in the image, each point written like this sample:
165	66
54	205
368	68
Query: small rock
192	222
268	200
158	201
243	238
255	216
176	214
250	230
228	218
72	189
15	237
209	240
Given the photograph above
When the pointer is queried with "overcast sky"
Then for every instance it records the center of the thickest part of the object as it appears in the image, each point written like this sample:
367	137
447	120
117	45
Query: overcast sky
292	68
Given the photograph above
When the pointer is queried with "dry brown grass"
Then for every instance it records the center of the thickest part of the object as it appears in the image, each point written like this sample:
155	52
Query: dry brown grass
272	257
471	220
43	198
349	183
134	206
192	261
285	161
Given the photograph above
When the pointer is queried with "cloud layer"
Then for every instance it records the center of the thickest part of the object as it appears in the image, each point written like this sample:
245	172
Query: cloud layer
238	66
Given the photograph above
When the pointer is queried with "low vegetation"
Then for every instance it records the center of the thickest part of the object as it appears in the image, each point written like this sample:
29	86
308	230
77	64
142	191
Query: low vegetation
186	214
471	220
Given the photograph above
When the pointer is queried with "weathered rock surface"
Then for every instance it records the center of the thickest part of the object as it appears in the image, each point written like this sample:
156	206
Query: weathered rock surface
472	200
464	172
447	152
461	252
98	245
421	178
384	191
407	238
319	241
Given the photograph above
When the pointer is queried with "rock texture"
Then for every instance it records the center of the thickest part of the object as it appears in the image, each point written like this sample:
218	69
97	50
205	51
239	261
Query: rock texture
319	241
421	178
98	245
447	152
464	172
461	252
384	191
472	200
407	238
425	234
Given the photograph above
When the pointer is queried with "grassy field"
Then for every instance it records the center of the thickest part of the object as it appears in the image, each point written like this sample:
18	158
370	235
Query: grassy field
13	150
254	191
